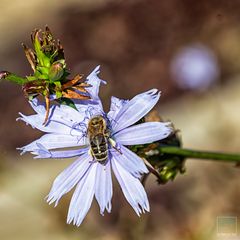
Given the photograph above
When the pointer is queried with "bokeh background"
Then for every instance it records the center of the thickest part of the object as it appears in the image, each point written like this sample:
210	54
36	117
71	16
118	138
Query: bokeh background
190	50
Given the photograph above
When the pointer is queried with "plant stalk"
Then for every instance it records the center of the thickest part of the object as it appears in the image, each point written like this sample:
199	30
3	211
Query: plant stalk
189	153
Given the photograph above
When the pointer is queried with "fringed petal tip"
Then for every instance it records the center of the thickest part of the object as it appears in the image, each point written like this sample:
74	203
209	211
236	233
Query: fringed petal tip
108	208
82	197
152	91
131	188
73	221
103	187
50	199
95	71
169	127
22	150
41	151
135	109
139	210
94	74
24	118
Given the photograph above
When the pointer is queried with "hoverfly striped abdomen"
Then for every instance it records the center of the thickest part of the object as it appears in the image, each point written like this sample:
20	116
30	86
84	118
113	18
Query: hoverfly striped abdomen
98	138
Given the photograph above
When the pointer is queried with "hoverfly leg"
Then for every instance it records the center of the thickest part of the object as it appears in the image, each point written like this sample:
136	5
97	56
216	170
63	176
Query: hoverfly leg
91	154
114	145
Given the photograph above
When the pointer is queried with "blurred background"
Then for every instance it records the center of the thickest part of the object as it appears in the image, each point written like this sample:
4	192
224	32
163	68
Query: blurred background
190	50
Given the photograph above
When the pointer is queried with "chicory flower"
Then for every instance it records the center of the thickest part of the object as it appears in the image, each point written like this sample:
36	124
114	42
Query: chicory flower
68	127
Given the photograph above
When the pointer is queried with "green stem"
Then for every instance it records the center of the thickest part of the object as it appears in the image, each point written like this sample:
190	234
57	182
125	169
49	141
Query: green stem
12	78
188	153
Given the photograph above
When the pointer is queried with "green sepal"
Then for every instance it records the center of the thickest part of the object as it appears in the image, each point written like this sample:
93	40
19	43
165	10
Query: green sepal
42	58
53	56
31	78
31	97
45	92
67	101
58	85
58	94
46	61
43	70
43	77
38	50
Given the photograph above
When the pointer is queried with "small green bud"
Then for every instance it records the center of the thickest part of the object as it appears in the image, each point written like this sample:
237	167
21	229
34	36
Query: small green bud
56	71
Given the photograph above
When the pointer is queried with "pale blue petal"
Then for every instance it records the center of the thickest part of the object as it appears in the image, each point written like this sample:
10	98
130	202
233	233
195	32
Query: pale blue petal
132	188
103	187
130	161
66	114
94	106
82	198
143	133
135	109
59	113
116	105
62	119
53	141
95	81
42	152
67	179
60	127
38	106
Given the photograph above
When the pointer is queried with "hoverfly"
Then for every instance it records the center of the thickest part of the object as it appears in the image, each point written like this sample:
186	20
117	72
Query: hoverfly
99	139
98	136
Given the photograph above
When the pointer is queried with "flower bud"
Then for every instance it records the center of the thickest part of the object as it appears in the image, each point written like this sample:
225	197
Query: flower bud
56	71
